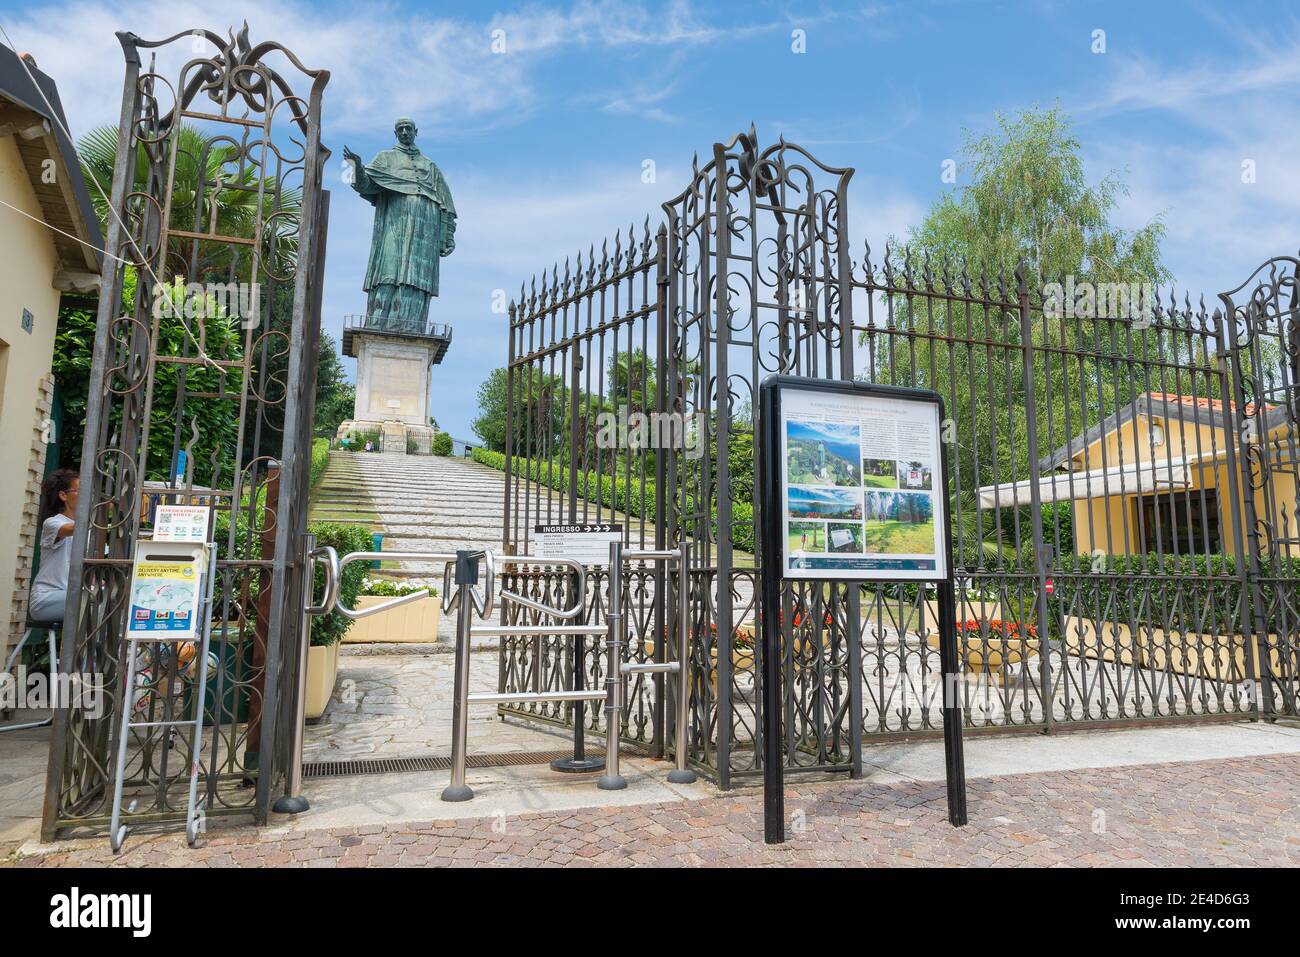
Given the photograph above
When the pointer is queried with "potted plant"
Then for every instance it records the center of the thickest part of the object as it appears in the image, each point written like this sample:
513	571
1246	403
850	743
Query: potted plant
989	645
415	621
327	631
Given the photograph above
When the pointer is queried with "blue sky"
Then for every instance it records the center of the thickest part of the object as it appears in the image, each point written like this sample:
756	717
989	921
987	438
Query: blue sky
544	145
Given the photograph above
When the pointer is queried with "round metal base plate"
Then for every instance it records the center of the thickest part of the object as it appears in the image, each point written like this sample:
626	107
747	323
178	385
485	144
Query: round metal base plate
576	766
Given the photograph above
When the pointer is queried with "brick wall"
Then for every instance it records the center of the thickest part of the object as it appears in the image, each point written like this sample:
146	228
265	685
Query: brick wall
28	531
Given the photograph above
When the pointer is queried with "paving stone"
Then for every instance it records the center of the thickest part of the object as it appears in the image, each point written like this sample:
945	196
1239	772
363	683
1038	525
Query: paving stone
1023	820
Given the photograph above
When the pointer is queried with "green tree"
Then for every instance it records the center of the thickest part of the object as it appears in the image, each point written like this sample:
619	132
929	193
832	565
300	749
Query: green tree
539	413
208	166
335	396
205	425
1027	206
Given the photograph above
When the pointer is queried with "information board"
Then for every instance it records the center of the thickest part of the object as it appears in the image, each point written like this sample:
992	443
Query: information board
181	523
586	542
861	491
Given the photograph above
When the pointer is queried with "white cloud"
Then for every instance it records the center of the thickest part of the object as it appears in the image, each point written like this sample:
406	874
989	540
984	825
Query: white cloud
380	57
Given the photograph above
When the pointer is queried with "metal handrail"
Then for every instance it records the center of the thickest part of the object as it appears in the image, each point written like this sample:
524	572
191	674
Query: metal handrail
350	557
572	563
333	576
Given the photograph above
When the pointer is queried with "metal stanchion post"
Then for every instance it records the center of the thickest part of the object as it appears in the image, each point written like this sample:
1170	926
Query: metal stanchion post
293	801
611	780
579	762
681	774
466	578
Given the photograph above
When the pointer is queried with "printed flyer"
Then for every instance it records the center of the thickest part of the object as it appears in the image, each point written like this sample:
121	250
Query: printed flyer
165	592
861	487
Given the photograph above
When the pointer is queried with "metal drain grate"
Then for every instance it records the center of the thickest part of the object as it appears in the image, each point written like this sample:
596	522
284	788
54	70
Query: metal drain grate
428	762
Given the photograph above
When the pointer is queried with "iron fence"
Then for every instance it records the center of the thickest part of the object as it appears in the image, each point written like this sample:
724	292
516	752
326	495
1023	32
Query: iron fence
1123	468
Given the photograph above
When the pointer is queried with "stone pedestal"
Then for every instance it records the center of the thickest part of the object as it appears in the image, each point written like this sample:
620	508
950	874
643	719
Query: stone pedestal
394	372
393	378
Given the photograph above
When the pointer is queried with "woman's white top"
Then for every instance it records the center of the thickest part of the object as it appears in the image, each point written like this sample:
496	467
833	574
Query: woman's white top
55	555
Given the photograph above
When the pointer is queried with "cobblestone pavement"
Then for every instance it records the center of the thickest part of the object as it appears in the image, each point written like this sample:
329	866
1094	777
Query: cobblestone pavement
391	705
1238	812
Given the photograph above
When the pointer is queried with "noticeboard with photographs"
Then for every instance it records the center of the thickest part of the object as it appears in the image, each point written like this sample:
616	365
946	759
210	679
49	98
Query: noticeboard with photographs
861	484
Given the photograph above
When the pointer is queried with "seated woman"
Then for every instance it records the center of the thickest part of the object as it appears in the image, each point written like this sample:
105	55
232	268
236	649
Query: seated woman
58	504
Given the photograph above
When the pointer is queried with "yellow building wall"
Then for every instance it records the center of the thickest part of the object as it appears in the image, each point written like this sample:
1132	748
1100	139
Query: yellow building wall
27	264
1109	523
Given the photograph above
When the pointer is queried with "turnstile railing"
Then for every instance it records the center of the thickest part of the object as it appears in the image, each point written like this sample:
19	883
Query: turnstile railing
460	578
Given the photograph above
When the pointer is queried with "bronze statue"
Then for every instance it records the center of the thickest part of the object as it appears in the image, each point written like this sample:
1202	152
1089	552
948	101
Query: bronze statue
415	225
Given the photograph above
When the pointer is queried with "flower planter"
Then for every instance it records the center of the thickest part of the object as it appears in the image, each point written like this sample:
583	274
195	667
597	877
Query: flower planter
322	671
1194	654
416	621
985	643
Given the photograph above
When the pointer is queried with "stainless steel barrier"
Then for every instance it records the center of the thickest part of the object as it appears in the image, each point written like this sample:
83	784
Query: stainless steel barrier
293	801
612	780
457	789
460	576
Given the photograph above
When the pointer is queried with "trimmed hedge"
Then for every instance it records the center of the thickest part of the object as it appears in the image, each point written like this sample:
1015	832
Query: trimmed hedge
320	457
442	444
329	629
615	492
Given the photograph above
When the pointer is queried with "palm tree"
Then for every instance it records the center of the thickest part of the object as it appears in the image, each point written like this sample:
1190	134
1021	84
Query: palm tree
208	165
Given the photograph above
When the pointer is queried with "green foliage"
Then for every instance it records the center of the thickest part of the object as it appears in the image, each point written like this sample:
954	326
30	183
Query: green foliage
212	424
442	444
539	412
320	458
616	493
1200	593
336	398
328	629
357	439
1027	206
202	156
387	588
632	380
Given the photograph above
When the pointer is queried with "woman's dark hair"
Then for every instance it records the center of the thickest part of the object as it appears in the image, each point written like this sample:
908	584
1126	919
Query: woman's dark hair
60	480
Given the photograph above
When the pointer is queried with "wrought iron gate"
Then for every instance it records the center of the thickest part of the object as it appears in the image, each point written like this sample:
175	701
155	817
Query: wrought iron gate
1124	475
216	182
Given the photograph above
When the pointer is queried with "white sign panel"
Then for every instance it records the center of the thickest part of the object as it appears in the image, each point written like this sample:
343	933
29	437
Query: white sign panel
165	579
861	487
584	542
181	523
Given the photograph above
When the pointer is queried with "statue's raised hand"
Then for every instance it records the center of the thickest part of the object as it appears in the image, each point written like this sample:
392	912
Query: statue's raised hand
355	160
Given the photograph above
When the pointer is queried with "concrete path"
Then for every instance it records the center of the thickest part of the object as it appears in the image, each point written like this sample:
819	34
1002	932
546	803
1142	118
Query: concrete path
421	503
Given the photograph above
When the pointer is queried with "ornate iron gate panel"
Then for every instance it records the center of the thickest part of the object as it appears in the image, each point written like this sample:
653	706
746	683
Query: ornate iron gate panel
201	391
1123	466
758	283
1263	326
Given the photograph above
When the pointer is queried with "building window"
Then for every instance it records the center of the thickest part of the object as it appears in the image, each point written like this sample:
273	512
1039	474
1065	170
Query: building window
1180	523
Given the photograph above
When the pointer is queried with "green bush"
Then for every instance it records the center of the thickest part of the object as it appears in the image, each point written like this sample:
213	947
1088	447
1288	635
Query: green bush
320	457
328	629
442	444
616	492
1197	592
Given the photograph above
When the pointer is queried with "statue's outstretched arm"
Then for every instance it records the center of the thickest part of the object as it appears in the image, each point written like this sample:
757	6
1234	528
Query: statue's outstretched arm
448	234
360	181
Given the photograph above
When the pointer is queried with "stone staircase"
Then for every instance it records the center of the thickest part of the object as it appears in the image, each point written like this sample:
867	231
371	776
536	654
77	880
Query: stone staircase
421	503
